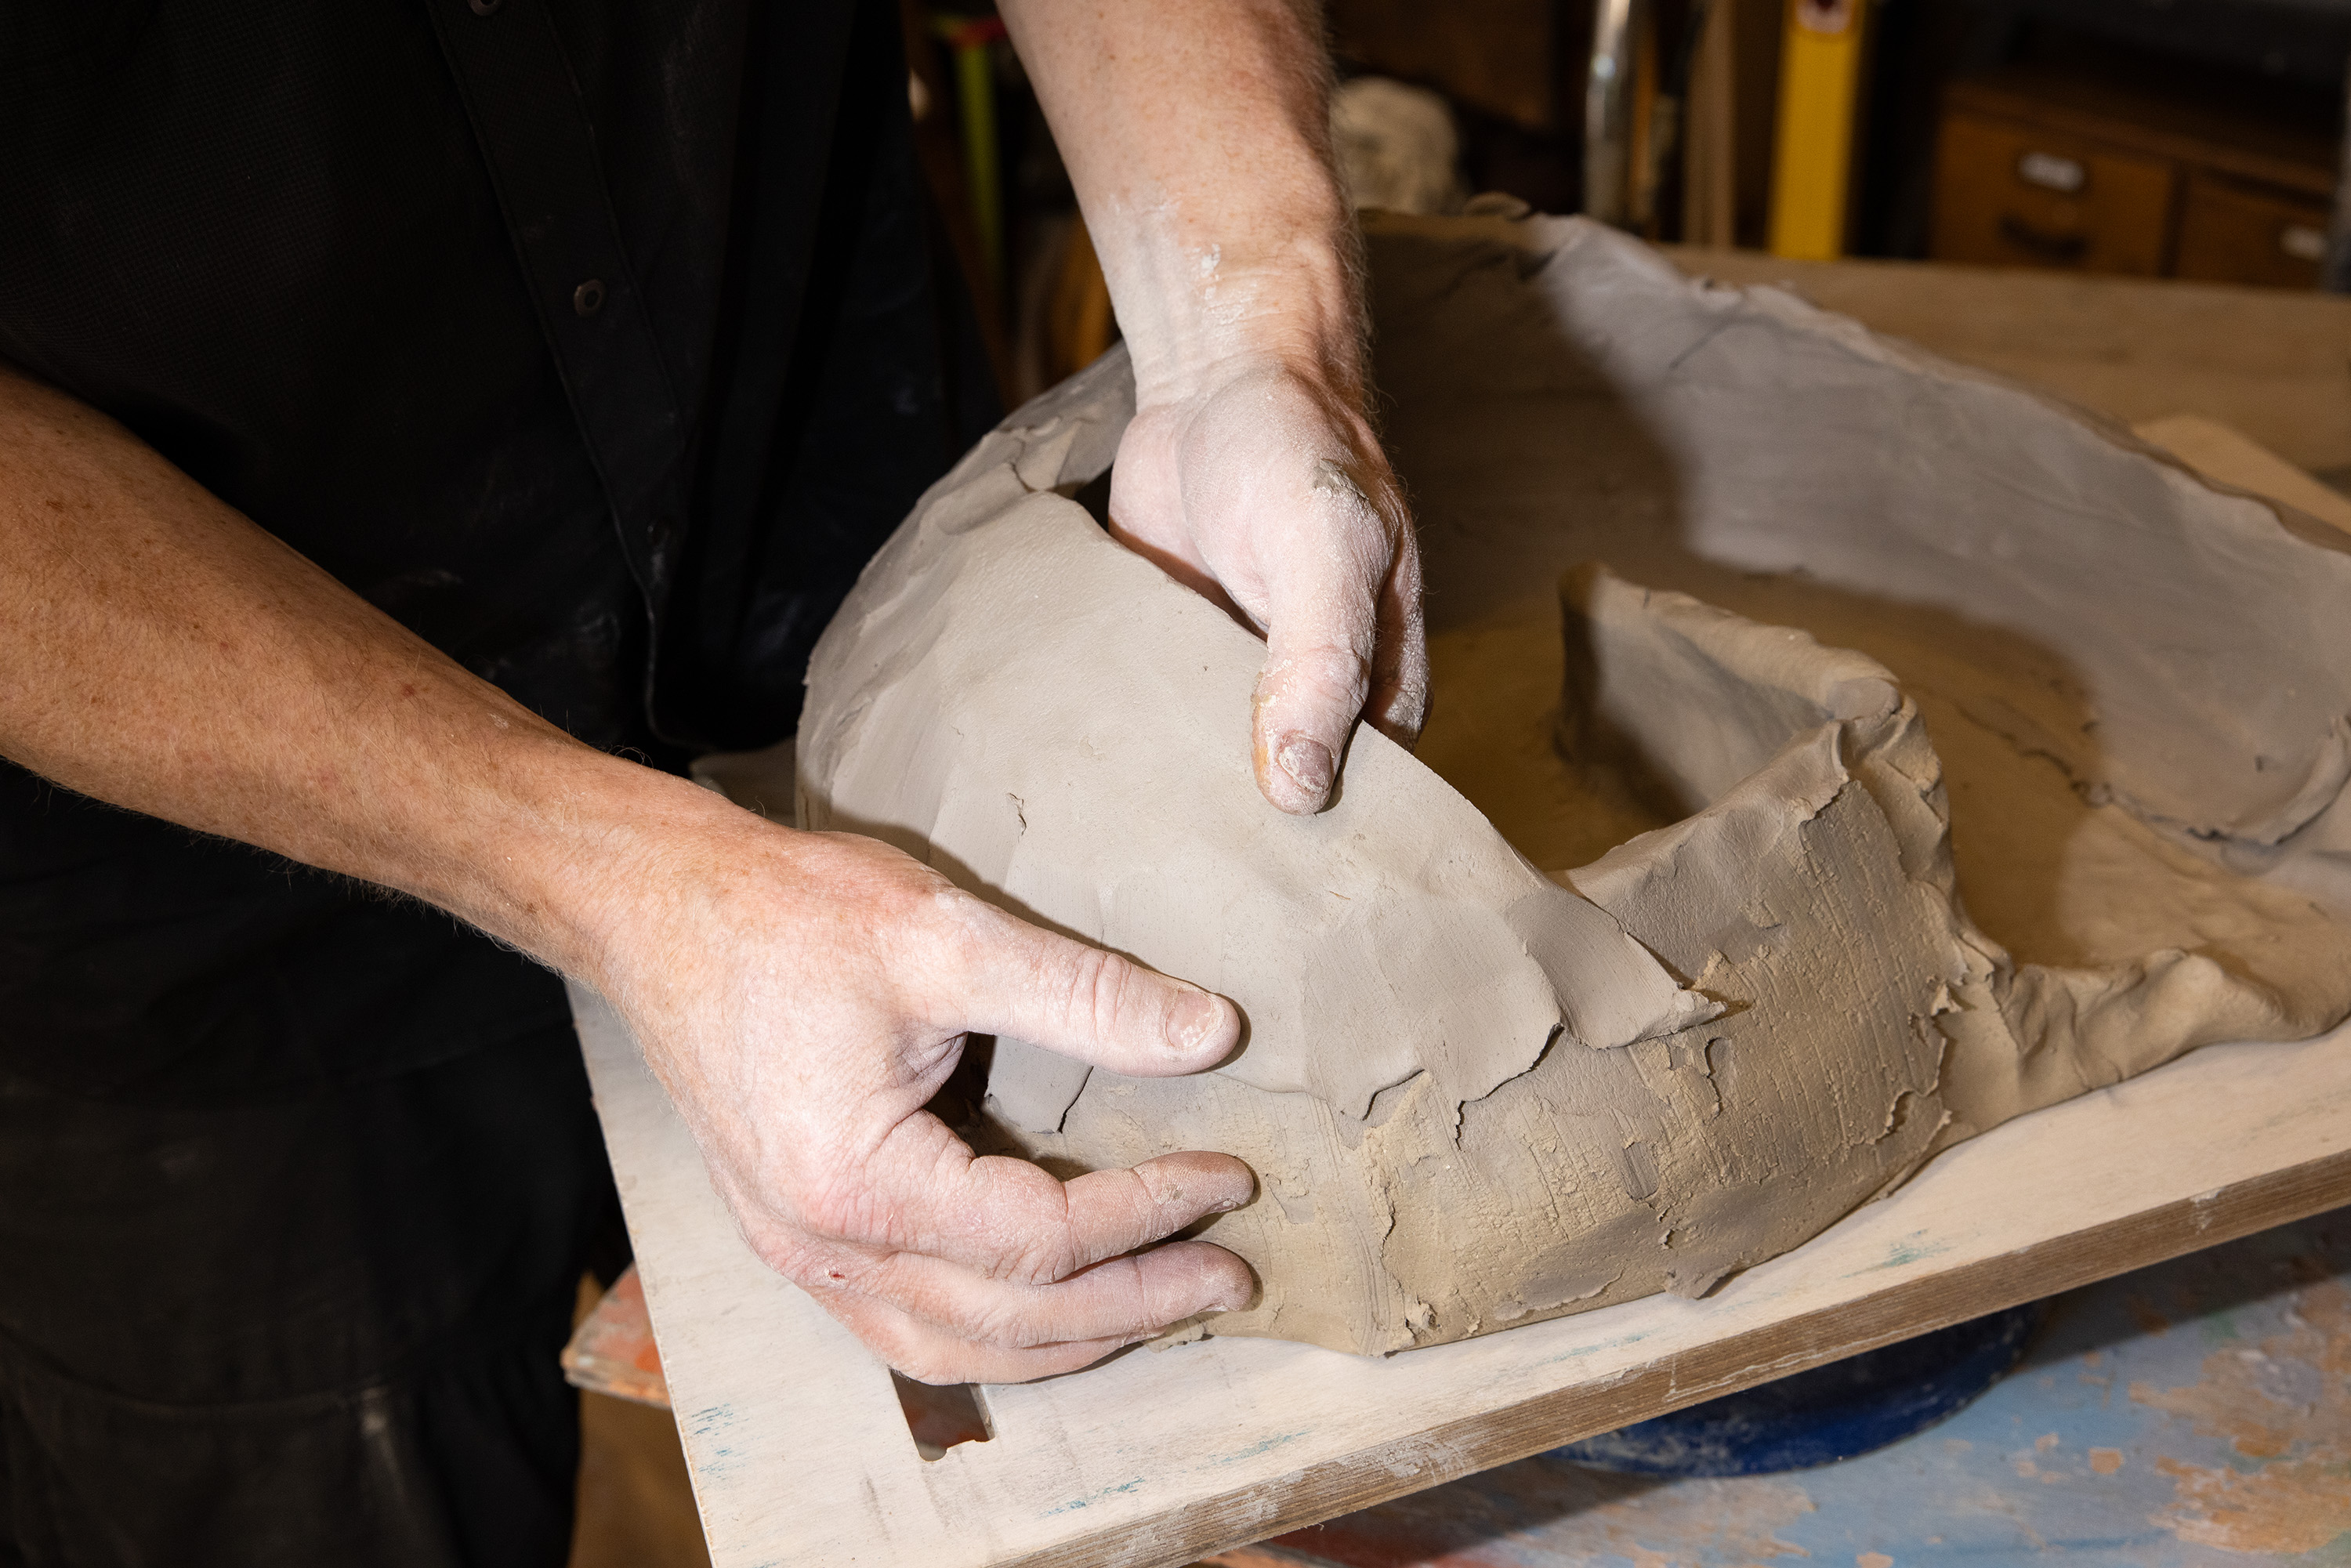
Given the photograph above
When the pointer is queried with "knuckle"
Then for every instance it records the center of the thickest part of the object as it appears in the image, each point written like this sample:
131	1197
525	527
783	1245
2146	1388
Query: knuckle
893	892
949	936
1085	987
787	1255
931	913
1323	672
1002	1324
1156	1188
842	1208
935	1362
822	1265
1042	1261
819	1274
1114	990
1038	1240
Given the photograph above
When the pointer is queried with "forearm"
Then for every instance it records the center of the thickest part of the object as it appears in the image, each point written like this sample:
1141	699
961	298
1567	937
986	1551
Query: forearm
165	654
1196	133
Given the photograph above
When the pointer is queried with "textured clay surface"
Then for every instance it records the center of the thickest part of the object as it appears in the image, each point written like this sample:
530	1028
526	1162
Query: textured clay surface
1925	753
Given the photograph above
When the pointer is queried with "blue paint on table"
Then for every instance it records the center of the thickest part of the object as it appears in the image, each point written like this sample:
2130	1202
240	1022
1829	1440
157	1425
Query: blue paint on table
2193	1415
1835	1412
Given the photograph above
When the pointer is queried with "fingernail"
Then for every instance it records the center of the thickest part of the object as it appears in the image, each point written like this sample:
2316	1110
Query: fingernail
1308	763
1190	1019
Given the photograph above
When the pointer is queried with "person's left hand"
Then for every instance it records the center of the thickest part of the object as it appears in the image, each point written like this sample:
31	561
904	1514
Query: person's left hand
1263	487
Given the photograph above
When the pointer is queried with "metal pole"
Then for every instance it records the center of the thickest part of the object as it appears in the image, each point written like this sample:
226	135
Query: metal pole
1608	111
2336	278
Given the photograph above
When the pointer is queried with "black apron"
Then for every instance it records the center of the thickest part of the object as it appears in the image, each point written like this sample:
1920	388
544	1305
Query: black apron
592	339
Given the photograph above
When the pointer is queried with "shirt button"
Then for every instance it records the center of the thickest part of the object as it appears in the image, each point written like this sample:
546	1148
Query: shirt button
588	298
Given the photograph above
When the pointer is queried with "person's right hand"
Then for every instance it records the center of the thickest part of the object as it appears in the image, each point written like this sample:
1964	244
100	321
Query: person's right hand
804	995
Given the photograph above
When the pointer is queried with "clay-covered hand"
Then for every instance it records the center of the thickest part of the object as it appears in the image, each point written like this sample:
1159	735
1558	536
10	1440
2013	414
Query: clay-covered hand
1196	133
803	999
1264	488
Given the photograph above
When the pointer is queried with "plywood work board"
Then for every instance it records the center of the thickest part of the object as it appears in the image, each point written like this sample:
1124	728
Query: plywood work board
800	1453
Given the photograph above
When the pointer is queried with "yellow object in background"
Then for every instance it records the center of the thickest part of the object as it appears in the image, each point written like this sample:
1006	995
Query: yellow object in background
1812	152
970	40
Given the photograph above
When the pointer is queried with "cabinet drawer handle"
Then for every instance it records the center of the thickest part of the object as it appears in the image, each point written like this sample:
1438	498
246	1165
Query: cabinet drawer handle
2303	242
2051	173
2041	242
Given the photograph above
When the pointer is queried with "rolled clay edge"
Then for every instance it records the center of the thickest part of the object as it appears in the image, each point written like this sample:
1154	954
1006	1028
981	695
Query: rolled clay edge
2020	1036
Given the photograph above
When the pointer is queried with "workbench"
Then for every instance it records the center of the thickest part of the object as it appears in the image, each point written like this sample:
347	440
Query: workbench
2188	1415
797	1441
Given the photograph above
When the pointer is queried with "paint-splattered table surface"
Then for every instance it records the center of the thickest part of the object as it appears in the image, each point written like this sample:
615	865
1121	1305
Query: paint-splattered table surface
2196	1412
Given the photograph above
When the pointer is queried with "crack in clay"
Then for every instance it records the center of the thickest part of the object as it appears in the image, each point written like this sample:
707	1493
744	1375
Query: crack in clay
1405	972
1461	1111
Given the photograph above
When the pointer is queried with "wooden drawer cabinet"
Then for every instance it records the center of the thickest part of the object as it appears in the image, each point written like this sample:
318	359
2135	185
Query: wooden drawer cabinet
2234	231
2010	194
2056	166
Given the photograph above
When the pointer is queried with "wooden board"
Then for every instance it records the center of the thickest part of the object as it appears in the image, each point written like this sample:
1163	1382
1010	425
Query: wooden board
2227	455
799	1451
613	1350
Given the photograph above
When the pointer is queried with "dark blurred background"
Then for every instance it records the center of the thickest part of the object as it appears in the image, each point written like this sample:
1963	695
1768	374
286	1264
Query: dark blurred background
2189	139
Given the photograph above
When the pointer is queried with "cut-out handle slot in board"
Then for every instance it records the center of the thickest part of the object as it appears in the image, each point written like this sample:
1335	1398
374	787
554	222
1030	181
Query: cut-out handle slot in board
941	1418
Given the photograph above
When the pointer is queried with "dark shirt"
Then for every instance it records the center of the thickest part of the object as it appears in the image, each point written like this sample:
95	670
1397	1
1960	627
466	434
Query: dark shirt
591	340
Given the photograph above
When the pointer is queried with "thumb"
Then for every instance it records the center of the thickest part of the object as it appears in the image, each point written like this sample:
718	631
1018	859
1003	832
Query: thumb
1320	628
1085	1002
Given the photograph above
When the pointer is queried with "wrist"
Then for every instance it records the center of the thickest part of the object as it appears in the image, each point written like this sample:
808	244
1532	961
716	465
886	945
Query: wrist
633	854
1202	315
568	853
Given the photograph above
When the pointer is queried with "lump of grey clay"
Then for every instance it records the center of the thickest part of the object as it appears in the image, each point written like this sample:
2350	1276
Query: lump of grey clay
2101	699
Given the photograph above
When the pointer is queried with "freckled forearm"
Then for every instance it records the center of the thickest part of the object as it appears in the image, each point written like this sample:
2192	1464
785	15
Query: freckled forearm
1195	134
166	655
